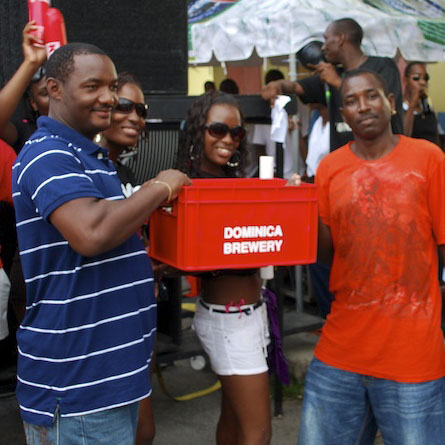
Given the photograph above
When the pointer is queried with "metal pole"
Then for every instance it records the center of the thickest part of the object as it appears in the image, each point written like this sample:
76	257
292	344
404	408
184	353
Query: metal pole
279	159
278	285
292	67
278	387
299	288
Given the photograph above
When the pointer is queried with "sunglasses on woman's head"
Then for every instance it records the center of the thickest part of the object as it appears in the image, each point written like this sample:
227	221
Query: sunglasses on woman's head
40	74
219	130
417	77
127	106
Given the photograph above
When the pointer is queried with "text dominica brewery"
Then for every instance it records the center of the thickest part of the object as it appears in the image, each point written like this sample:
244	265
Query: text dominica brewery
262	244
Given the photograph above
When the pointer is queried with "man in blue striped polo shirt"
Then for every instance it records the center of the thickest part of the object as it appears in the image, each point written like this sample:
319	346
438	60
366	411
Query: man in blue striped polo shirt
86	341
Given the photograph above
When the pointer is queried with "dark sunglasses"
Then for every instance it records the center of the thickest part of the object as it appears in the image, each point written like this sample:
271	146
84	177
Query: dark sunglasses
40	74
127	106
417	77
219	130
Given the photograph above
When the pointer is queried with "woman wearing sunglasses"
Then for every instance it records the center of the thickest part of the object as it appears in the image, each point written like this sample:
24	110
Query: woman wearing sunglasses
230	318
127	124
420	119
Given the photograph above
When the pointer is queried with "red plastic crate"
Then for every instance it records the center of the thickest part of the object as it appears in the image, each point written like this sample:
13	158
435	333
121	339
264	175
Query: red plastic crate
237	224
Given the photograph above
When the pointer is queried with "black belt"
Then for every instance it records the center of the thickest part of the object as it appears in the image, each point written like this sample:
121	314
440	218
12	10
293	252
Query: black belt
247	310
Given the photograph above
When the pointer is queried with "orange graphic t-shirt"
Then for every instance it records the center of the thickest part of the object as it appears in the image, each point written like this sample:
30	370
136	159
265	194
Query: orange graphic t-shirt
386	219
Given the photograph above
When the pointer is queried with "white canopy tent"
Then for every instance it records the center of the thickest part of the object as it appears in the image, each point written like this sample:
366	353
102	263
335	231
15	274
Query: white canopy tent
271	28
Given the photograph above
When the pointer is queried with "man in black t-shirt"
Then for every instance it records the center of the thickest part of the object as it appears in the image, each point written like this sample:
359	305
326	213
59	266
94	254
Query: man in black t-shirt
342	51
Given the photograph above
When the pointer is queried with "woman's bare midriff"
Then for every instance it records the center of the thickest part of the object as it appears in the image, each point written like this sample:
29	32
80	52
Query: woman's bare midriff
224	289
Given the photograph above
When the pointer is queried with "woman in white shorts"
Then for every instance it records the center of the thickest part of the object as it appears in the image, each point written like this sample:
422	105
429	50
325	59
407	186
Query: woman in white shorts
231	318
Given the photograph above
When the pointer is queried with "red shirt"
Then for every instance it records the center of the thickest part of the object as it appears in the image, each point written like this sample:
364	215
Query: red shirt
386	219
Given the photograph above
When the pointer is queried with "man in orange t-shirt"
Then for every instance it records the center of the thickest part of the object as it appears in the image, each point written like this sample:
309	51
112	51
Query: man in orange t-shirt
380	362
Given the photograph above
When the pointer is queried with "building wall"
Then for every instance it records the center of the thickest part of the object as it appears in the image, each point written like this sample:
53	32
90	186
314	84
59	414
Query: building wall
250	79
436	87
197	76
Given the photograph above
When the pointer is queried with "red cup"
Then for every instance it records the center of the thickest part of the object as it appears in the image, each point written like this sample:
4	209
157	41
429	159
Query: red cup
37	11
55	32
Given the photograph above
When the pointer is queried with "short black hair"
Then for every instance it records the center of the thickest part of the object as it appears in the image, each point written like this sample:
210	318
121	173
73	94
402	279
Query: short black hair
361	72
126	77
410	65
273	75
229	86
61	63
209	86
351	29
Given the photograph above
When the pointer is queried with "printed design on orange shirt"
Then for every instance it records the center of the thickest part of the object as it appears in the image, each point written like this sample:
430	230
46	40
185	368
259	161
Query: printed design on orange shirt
377	216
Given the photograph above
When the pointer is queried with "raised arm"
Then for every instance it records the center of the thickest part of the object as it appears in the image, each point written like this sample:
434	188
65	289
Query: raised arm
328	74
12	92
412	100
283	86
93	226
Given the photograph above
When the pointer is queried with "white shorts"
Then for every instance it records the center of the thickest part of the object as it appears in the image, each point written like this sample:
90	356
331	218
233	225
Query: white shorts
236	342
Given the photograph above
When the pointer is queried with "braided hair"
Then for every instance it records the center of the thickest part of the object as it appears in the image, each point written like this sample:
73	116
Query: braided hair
191	143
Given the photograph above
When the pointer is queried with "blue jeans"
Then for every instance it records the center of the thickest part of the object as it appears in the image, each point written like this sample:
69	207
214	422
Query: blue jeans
342	407
112	426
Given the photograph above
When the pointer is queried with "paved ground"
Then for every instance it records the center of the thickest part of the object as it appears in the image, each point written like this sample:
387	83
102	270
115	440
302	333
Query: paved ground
189	422
194	421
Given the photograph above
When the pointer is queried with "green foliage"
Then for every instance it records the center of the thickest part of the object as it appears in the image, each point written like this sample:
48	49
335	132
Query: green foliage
292	392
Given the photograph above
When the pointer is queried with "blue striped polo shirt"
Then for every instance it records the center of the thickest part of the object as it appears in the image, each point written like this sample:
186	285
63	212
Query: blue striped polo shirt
86	341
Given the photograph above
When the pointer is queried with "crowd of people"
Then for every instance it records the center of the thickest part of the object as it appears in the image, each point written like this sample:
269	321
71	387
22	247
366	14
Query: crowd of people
87	320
